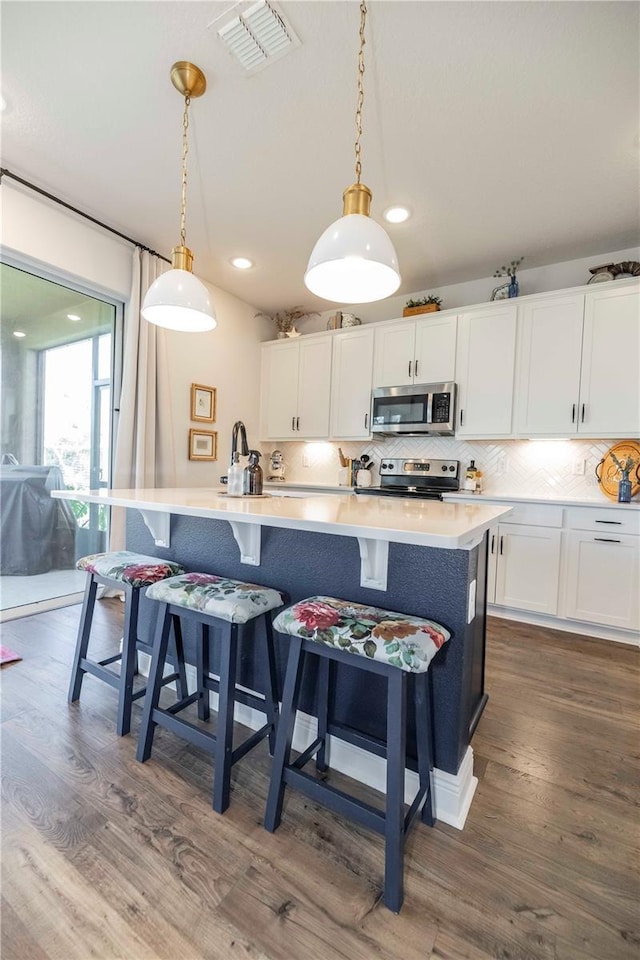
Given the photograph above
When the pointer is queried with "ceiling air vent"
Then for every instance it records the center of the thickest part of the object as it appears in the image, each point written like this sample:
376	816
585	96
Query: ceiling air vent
257	35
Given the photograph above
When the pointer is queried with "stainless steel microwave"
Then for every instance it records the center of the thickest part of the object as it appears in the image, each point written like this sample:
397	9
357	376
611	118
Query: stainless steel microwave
420	409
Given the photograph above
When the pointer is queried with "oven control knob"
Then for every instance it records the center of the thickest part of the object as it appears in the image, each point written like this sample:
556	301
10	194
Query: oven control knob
452	468
444	469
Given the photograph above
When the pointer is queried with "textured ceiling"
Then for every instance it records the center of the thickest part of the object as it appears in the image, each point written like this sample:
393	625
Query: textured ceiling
508	128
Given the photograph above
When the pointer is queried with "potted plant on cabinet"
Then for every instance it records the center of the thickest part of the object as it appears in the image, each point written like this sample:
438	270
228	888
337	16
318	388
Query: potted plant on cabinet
422	305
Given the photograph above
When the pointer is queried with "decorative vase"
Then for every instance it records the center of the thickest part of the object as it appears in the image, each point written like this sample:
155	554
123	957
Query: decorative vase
624	488
514	289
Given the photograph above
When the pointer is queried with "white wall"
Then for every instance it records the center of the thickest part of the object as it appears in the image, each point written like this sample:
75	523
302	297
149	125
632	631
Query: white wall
44	235
554	276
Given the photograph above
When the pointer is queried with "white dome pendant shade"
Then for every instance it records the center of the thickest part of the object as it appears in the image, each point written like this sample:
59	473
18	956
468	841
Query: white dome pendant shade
354	260
177	300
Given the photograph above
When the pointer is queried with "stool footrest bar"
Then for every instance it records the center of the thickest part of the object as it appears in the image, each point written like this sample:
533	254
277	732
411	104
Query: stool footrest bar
185	730
250	743
415	808
90	667
108	660
308	753
181	704
363	740
338	801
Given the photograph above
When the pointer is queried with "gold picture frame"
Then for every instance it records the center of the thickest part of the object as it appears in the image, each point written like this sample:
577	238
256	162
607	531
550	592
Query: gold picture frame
203	403
203	445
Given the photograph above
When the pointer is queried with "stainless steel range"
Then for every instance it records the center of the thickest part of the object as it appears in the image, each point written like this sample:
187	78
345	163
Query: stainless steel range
428	479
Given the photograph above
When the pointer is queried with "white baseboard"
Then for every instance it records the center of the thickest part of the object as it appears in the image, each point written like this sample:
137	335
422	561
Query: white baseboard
452	793
594	630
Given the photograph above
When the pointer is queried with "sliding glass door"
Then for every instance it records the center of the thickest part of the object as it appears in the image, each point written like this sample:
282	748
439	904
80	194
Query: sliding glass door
57	432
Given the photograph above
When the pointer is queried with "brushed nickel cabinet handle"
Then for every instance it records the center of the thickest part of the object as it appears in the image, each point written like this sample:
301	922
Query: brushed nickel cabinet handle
573	414
461	417
415	369
366	421
606	540
410	362
297	423
615	523
493	541
583	409
501	545
293	423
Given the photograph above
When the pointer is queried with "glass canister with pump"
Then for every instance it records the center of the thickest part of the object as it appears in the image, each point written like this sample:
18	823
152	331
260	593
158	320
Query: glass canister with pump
253	475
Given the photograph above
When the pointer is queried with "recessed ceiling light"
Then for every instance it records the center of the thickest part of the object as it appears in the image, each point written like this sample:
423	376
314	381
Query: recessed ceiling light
396	214
73	316
19	334
241	263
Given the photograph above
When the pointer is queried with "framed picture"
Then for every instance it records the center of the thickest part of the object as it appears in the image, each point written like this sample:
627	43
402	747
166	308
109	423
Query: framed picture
203	403
203	445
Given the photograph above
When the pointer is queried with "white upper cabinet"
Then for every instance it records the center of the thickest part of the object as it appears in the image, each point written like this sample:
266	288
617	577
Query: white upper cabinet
435	350
548	381
485	367
579	365
352	369
610	381
296	387
415	351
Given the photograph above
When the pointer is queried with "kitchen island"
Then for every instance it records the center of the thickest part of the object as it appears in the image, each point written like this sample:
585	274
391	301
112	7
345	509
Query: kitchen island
415	556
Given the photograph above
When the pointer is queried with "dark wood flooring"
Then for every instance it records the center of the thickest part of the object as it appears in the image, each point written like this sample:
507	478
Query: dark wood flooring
107	858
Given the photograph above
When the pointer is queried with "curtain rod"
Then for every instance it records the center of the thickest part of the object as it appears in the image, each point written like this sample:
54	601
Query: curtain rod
105	226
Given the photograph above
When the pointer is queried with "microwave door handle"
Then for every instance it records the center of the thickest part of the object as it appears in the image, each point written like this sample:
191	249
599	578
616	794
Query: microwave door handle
429	408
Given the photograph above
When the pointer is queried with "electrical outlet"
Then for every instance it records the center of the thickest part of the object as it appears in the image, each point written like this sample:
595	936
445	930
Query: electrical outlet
306	460
579	467
501	465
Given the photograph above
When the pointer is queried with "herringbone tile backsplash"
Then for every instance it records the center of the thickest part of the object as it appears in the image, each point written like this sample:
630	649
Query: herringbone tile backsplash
536	468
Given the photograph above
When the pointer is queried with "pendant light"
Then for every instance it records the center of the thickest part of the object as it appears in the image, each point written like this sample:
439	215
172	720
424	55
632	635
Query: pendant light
354	260
177	299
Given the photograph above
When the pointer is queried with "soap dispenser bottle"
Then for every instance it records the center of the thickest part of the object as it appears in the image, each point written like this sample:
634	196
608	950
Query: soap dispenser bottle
235	474
253	475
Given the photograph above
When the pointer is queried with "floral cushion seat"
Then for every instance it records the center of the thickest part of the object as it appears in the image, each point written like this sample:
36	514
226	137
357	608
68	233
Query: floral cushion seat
134	568
397	639
230	600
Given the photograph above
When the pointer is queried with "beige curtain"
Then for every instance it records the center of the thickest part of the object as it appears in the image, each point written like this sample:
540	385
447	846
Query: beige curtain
144	442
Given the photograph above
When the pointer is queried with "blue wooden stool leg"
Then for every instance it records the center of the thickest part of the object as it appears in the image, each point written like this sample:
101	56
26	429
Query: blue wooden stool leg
324	691
286	723
271	691
82	644
423	740
202	671
394	818
128	661
224	732
154	686
182	689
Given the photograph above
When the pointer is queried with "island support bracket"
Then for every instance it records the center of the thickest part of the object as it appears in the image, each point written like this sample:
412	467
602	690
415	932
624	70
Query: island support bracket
374	559
159	526
248	538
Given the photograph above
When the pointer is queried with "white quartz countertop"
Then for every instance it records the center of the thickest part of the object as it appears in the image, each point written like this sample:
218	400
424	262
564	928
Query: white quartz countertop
428	523
599	502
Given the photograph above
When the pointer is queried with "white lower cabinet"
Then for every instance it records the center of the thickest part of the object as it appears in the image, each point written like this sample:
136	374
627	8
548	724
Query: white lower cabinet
528	567
602	575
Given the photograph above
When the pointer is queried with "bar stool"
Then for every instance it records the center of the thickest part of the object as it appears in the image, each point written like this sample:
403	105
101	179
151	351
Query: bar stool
396	646
131	573
212	601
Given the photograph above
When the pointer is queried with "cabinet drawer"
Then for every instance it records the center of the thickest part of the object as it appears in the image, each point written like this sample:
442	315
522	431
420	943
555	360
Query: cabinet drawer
534	514
607	522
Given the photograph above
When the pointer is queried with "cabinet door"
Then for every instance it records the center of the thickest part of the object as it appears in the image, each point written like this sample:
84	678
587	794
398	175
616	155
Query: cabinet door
548	381
528	568
314	389
351	384
492	564
610	381
485	370
394	352
435	350
602	575
280	390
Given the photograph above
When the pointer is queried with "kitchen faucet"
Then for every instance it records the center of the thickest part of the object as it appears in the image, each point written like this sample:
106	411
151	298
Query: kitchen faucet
239	427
